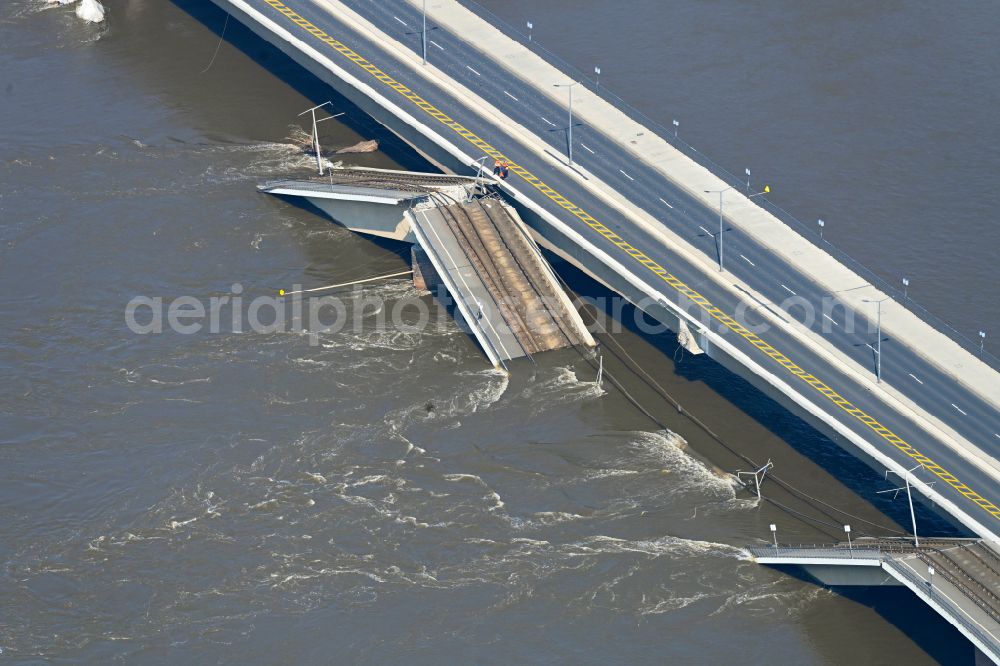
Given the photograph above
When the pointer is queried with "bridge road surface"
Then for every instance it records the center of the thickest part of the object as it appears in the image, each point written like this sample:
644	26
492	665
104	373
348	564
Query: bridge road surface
937	393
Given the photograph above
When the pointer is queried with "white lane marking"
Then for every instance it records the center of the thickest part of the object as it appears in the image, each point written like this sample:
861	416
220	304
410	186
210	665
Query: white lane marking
665	201
511	96
997	435
960	410
548	121
625	174
915	378
436	44
831	319
748	261
473	71
401	21
706	230
587	148
789	290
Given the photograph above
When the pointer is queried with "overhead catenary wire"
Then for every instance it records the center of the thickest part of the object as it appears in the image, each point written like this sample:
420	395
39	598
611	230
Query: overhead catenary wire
282	292
218	46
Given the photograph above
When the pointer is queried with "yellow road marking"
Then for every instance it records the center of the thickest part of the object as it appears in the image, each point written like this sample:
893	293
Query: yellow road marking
641	257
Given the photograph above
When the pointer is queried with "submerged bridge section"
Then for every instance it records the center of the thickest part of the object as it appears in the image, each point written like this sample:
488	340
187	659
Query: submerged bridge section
958	578
473	244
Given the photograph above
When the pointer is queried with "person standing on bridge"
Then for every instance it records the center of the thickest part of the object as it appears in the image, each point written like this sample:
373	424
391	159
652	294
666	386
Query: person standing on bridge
497	167
505	169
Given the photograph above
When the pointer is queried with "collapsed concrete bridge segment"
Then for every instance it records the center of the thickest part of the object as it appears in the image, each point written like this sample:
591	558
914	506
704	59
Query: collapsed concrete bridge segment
466	239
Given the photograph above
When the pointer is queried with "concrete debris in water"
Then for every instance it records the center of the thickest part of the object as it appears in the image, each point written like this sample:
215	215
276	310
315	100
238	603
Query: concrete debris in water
360	147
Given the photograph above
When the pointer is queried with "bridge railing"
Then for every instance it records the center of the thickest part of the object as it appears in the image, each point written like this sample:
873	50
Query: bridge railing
871	548
816	552
808	231
956	613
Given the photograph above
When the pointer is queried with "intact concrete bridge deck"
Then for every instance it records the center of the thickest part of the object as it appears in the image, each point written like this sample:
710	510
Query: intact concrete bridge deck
630	213
959	579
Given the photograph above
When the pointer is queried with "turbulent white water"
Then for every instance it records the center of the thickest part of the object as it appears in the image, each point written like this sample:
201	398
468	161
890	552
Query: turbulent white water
90	10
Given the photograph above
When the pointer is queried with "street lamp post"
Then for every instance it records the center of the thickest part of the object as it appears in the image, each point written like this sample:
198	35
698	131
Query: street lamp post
930	581
677	124
982	342
597	71
766	190
530	27
748	178
774	535
569	130
850	546
878	340
821	224
906	284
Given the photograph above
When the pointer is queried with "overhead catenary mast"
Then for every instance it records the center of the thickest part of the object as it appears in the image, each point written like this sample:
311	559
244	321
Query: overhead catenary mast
315	132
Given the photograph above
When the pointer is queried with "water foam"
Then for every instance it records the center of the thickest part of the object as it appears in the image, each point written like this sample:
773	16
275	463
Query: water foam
561	388
665	446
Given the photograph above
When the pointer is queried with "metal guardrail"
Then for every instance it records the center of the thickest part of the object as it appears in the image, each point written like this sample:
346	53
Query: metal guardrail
954	611
879	546
808	231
